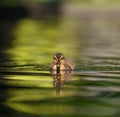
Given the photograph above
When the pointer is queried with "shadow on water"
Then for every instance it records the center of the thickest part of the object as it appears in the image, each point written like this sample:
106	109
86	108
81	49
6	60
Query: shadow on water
9	16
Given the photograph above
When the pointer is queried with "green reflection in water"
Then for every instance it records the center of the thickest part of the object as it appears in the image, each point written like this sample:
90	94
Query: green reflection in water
65	106
37	41
77	98
34	94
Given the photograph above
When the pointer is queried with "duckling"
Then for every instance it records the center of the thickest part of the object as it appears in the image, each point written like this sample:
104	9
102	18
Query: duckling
61	63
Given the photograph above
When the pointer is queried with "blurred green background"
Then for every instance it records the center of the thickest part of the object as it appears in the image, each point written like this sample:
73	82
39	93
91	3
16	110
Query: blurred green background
32	31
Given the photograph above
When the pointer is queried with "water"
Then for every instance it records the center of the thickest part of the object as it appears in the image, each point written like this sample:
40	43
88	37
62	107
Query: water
29	89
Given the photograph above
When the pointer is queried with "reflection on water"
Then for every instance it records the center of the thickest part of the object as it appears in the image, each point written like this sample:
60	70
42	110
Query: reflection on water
59	78
29	89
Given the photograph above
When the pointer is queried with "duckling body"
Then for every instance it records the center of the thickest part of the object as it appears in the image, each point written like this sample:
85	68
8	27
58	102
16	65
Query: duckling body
61	63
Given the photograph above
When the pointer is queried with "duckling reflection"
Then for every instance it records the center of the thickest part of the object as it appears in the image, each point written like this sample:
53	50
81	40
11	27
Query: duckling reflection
58	83
59	80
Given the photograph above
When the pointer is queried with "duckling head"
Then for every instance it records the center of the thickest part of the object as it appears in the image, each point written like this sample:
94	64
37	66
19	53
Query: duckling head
58	59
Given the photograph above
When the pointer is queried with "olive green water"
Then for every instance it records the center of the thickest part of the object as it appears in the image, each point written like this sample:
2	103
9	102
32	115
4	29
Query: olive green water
91	90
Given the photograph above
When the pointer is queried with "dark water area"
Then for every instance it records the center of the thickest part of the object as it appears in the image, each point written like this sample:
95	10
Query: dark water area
29	89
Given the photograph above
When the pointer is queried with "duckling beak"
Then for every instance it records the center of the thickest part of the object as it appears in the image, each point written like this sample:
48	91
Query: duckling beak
58	64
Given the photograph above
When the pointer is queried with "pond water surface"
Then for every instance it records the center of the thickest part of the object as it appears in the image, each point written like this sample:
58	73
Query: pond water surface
29	89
